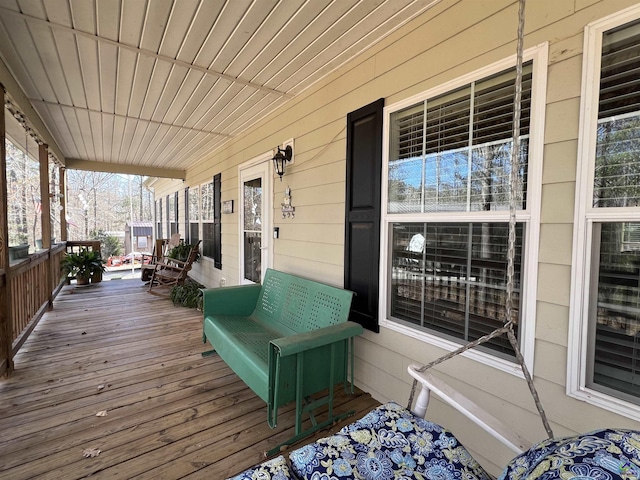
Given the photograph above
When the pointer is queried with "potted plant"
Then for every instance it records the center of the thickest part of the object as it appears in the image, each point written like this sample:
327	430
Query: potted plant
17	252
83	265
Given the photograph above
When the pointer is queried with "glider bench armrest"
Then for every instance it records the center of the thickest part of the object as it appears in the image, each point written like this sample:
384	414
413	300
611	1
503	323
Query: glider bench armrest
239	300
301	342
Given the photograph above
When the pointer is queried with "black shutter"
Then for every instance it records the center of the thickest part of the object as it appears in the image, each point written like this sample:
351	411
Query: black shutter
362	216
175	207
187	230
169	232
217	221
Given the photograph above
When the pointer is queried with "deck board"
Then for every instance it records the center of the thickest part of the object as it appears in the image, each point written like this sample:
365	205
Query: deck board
171	413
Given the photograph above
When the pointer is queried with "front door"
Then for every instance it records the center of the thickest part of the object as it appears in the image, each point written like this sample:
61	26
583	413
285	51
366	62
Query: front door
255	201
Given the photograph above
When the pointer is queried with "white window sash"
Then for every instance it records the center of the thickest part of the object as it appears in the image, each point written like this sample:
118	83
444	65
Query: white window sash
531	216
586	215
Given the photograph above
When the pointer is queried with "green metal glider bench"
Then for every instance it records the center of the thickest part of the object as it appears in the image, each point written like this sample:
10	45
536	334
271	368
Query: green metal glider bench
287	339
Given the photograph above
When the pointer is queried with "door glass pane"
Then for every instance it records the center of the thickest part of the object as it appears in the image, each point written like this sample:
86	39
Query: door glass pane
252	223
252	256
253	204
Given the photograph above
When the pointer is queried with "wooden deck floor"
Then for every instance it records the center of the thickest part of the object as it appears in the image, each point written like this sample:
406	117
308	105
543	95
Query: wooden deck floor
170	413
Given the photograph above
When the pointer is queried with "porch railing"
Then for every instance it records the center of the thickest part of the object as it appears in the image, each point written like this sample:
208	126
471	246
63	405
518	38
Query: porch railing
33	283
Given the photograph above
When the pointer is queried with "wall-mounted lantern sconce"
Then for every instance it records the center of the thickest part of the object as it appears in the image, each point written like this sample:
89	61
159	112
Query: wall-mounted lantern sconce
281	157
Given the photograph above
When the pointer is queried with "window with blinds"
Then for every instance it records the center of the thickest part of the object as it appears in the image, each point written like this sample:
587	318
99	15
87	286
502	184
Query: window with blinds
194	214
452	153
172	214
211	215
206	214
159	219
617	169
615	307
614	292
450	278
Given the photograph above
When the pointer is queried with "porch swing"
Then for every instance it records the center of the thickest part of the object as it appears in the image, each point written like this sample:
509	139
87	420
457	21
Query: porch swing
392	442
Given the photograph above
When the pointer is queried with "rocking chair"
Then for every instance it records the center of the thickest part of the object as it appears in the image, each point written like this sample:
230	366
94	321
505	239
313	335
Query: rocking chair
160	252
170	271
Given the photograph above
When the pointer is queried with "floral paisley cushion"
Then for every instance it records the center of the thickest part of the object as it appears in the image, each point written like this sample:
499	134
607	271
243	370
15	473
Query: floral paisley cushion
599	455
389	443
274	469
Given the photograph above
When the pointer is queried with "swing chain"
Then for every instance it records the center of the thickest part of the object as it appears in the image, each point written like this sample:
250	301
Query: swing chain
514	192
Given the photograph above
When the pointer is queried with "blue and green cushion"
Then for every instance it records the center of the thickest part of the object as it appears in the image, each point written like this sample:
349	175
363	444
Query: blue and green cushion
389	443
609	454
274	469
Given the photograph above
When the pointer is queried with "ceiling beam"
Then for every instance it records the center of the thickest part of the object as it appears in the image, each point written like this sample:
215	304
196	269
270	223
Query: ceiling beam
148	53
33	119
110	167
116	115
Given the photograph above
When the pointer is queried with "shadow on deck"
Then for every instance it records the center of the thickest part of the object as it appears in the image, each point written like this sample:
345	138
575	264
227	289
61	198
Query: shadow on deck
170	413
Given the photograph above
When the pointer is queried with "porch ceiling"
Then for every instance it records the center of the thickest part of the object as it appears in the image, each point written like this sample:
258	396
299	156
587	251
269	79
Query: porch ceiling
163	83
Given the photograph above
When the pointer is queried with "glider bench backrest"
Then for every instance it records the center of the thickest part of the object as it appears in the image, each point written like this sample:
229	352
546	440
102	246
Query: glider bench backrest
287	338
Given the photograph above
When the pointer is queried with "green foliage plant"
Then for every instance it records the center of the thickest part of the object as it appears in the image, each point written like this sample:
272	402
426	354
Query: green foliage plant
188	294
84	263
181	252
110	244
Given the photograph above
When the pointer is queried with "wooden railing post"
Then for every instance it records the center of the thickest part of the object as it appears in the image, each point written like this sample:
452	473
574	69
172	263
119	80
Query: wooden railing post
43	158
45	216
6	334
63	202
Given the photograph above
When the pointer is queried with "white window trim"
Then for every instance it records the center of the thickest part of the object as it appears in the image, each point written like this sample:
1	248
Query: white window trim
201	221
539	56
586	215
267	214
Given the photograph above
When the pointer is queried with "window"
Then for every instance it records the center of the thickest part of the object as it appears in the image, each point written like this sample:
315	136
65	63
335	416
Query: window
194	214
212	221
447	208
159	219
172	209
604	365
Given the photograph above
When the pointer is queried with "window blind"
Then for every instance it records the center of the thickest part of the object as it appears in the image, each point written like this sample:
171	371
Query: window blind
617	168
615	299
452	152
206	214
194	215
159	219
451	278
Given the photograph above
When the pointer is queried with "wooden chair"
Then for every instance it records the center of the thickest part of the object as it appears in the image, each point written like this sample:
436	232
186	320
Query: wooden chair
170	271
160	252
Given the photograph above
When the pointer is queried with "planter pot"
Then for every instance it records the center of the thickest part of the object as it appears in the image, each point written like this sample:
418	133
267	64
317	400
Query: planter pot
96	277
19	251
82	280
39	243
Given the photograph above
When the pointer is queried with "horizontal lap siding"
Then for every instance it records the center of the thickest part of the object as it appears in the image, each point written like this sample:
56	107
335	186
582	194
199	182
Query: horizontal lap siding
449	40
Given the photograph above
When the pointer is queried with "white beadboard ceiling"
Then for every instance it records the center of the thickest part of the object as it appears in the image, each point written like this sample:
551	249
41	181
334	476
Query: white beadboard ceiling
162	83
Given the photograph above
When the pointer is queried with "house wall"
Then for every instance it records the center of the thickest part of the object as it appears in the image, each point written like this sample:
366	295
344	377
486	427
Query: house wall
451	39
